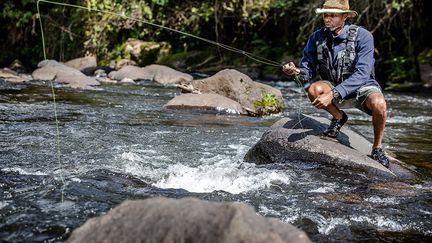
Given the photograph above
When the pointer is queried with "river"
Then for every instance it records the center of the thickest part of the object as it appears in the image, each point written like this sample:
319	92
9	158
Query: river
120	143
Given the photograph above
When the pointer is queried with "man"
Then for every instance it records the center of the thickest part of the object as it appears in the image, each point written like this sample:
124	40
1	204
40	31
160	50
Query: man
343	56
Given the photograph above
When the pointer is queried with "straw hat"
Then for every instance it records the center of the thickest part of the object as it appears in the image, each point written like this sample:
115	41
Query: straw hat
336	6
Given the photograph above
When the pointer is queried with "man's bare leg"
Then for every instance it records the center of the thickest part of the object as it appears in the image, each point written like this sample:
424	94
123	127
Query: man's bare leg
319	88
377	104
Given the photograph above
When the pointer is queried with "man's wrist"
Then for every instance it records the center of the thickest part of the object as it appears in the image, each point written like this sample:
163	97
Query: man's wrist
335	94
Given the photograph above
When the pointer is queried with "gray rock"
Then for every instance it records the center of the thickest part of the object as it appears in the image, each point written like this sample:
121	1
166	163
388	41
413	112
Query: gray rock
106	80
71	77
127	81
132	72
206	102
291	140
119	64
44	63
158	73
75	80
234	85
190	220
14	77
82	62
426	74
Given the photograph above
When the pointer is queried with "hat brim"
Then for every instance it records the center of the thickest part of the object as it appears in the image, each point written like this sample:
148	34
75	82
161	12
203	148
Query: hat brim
350	13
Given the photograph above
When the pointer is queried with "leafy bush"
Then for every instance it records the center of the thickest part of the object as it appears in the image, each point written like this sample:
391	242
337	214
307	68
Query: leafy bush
269	104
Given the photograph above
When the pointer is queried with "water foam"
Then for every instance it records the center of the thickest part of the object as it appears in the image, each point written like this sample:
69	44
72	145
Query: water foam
409	120
224	175
23	172
379	200
213	172
3	204
322	190
380	222
325	226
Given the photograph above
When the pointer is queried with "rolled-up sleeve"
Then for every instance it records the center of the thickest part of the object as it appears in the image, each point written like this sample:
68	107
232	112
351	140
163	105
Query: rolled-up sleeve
364	64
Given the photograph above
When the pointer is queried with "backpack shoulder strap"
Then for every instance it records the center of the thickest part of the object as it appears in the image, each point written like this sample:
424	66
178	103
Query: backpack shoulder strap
320	45
350	53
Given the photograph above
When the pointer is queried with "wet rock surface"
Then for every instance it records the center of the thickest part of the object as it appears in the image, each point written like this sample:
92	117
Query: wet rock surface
60	73
299	137
13	76
212	102
158	73
185	220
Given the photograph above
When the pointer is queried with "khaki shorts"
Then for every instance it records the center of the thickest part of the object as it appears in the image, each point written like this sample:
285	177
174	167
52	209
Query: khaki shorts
359	100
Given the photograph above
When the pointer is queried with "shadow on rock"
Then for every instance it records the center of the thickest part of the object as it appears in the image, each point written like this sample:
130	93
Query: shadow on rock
299	138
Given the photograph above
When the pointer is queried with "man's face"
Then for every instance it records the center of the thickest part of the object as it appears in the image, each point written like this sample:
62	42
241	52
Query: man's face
333	21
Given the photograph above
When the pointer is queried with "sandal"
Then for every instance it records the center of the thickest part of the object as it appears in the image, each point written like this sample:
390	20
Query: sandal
333	130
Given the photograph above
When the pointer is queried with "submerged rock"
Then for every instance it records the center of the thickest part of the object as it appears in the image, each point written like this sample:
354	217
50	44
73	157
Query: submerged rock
213	102
233	85
52	70
158	73
185	220
299	138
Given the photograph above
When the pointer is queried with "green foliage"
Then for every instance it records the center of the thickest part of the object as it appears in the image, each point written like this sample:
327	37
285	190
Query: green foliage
20	16
425	57
398	70
273	29
269	104
401	4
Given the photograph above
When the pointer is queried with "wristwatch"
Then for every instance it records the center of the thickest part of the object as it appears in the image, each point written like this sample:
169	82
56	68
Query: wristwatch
335	94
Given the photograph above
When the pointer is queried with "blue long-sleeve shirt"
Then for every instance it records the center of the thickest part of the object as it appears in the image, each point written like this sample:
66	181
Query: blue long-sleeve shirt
364	61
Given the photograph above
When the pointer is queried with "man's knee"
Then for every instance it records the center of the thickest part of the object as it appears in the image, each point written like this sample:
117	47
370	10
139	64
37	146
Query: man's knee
377	103
318	88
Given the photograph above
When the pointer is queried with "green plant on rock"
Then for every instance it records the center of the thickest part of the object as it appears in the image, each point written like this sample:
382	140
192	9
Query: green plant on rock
269	104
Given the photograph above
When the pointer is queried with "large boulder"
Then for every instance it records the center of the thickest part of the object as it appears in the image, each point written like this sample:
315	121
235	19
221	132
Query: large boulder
185	220
71	77
234	85
213	102
299	137
158	73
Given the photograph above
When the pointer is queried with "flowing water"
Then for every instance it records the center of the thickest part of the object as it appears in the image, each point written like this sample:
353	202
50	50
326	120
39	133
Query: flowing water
120	143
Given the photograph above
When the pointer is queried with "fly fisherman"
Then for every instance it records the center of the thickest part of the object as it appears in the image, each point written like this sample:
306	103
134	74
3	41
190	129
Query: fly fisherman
342	54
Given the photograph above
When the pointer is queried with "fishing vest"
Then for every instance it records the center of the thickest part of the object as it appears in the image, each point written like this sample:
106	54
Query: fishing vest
345	58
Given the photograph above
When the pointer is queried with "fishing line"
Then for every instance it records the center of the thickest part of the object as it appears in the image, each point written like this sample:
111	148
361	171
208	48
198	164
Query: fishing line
58	154
229	48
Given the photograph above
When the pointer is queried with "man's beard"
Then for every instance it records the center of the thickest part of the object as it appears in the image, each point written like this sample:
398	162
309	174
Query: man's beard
334	30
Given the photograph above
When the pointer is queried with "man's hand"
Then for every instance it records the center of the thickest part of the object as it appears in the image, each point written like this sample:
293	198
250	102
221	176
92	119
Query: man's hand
323	100
290	69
